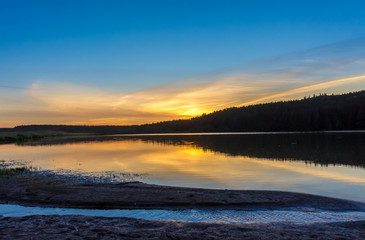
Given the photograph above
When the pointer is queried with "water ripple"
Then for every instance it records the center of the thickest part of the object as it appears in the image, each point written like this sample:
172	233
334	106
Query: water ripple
195	215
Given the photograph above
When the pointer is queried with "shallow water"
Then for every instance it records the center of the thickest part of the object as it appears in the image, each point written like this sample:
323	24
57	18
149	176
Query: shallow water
193	215
330	164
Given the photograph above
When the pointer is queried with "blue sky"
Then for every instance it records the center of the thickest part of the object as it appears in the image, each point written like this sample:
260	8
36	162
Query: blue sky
128	47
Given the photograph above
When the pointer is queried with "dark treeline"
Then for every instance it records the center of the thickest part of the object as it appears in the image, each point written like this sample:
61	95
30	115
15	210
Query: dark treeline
317	113
76	129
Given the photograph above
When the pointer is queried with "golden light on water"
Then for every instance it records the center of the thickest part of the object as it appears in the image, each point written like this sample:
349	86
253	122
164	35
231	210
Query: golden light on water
186	165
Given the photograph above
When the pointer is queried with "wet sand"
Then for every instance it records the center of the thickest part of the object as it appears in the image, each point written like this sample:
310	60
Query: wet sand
81	227
46	191
43	191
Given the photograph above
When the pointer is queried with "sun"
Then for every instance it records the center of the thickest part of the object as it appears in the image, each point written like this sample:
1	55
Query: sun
193	112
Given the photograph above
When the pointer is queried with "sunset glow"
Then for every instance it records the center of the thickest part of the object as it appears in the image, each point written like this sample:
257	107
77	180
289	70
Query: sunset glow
143	69
196	109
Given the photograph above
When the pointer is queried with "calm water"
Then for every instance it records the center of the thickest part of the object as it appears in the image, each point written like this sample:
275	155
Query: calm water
331	164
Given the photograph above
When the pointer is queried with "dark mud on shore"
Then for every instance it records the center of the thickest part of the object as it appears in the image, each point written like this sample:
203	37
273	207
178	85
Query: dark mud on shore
81	227
45	191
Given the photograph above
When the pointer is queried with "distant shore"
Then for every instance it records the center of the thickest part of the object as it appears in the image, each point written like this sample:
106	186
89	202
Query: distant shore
43	191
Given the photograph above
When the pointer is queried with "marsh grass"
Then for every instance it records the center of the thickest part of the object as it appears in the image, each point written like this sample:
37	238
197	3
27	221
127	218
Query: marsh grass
11	168
19	138
13	171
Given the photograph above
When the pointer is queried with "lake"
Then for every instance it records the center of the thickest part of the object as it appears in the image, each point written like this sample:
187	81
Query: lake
329	164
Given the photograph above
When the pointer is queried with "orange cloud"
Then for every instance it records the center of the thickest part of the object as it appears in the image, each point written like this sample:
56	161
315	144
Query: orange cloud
71	104
47	102
323	87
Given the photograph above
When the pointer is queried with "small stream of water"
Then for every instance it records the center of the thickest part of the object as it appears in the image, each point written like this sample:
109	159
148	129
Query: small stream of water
195	215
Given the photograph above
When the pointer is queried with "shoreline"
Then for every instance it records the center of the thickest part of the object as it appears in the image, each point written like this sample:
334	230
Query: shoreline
47	192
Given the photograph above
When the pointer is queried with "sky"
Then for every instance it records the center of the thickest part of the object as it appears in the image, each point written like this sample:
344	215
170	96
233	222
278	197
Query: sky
132	62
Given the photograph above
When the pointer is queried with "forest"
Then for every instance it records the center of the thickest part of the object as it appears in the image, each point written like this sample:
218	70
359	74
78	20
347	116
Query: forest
315	113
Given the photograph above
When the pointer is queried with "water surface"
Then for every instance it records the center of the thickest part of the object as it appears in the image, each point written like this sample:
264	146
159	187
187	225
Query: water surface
330	164
195	215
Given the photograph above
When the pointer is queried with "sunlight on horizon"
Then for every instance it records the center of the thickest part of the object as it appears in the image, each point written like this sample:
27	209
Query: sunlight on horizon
290	78
102	108
130	63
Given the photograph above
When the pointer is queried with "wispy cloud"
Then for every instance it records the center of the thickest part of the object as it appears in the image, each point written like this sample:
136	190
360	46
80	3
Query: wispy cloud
337	85
329	69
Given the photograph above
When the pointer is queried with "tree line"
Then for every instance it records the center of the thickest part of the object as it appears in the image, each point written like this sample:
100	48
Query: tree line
317	113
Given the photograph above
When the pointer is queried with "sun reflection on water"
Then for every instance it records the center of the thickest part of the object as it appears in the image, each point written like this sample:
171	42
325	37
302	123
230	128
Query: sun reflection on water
186	164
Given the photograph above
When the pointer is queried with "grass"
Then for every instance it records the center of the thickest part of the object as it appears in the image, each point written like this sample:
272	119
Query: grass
11	168
22	137
13	171
19	138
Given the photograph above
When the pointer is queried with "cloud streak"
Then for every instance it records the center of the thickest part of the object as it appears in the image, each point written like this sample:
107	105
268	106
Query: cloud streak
335	68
